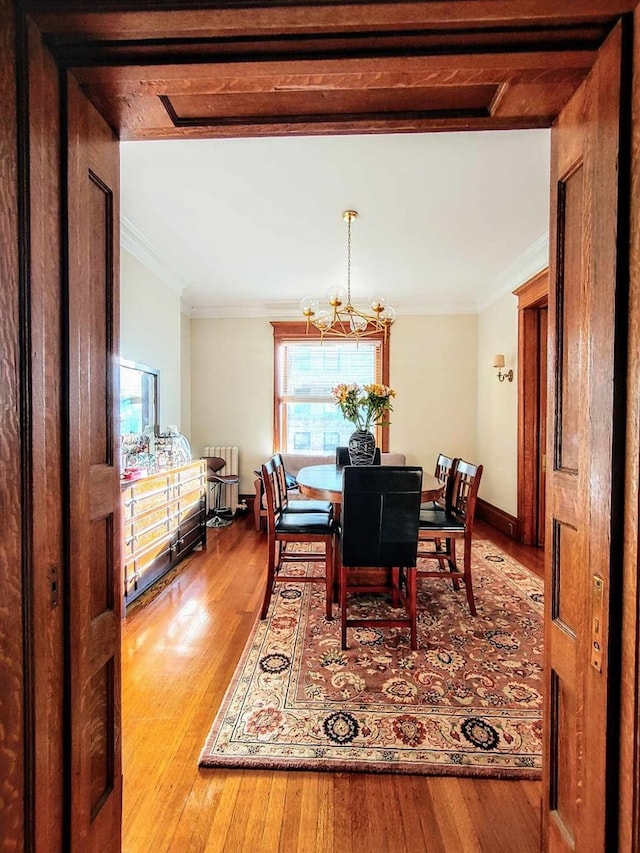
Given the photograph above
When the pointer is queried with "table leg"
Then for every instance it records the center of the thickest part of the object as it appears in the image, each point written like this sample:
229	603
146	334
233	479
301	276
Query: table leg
336	556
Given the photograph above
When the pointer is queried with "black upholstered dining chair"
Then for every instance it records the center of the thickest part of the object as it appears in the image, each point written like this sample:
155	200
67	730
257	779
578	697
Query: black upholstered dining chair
343	458
284	528
444	528
379	529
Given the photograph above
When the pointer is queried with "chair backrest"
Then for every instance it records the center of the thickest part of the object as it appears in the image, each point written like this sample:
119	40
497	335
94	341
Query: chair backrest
271	484
285	480
445	471
380	515
278	463
466	481
343	458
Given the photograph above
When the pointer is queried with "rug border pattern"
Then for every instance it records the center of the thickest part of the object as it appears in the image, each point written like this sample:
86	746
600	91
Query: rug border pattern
331	757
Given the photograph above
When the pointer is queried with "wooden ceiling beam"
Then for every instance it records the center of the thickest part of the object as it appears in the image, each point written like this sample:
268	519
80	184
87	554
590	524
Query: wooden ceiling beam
336	75
81	21
207	69
337	126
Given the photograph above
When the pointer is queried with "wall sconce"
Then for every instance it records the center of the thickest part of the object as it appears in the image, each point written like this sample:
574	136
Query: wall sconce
498	361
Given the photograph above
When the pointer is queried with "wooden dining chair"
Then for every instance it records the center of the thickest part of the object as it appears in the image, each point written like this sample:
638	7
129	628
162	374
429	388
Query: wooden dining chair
295	505
442	529
284	528
379	529
444	471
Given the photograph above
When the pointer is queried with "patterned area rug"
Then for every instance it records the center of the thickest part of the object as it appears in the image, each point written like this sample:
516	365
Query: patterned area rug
466	703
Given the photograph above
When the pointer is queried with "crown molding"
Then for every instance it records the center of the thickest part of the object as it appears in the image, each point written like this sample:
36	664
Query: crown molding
132	240
246	311
291	310
530	262
533	260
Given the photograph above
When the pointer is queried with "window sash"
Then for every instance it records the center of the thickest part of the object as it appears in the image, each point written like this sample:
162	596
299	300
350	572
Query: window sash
296	334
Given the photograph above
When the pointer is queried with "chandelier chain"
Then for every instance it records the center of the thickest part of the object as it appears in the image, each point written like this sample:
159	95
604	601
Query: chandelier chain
349	261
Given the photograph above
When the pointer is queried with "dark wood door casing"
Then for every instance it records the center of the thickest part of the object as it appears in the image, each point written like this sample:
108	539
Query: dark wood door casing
48	442
533	297
14	684
22	567
629	788
31	446
542	313
582	582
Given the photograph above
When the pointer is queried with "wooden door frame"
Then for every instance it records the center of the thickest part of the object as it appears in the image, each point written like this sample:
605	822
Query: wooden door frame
23	571
15	686
532	295
629	769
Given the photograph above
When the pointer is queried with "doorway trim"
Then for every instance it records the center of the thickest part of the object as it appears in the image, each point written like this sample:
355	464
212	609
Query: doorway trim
532	296
19	593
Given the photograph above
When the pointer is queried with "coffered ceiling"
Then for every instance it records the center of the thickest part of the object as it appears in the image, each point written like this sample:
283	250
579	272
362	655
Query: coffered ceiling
228	70
218	69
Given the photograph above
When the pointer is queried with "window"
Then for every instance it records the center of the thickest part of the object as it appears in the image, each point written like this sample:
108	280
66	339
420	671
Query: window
330	441
301	440
306	369
138	398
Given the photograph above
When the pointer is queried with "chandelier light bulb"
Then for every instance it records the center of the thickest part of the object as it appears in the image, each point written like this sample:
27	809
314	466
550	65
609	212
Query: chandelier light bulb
336	296
308	306
378	302
357	323
388	315
323	321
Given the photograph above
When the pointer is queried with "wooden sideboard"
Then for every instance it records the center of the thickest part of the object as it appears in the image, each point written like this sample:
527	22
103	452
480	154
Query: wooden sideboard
163	519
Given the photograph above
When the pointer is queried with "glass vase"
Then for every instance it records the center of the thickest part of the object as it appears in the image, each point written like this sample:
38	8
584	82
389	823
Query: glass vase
362	447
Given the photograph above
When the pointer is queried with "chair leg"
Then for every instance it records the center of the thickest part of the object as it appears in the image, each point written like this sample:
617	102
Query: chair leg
335	571
437	546
453	565
328	577
343	606
412	605
271	572
395	587
468	583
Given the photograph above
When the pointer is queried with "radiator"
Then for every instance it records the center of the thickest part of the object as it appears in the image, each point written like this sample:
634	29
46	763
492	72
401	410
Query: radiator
229	494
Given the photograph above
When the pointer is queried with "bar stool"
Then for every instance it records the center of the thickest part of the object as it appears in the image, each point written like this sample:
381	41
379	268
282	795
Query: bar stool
214	465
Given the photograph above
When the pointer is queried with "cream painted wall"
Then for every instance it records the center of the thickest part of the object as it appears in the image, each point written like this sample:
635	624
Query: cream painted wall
150	331
232	388
216	381
433	369
497	421
185	374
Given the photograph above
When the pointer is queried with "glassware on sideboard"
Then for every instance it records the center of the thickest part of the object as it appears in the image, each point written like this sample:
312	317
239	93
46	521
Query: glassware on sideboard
170	450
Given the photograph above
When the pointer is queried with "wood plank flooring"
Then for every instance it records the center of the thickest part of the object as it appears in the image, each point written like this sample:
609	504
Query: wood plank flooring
179	652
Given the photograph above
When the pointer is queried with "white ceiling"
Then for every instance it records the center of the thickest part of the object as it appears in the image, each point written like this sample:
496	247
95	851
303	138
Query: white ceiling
247	227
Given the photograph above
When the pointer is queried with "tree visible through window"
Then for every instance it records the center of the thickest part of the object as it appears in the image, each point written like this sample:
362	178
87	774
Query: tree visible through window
306	369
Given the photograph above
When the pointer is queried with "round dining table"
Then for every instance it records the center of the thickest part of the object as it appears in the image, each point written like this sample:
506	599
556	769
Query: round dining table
324	482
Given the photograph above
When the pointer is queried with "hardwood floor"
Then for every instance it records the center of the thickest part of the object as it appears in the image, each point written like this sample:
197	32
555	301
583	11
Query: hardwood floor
179	652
